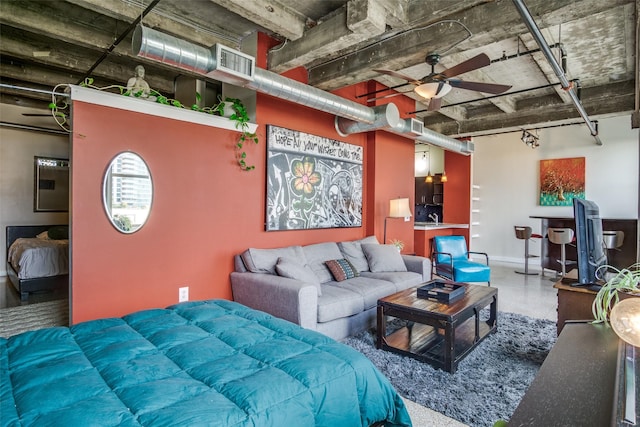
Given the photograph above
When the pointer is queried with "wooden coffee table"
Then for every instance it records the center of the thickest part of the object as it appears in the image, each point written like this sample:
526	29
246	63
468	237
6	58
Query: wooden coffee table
437	333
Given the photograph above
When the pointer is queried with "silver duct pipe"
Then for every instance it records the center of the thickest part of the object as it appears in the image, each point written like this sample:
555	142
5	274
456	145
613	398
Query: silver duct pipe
546	50
386	116
351	116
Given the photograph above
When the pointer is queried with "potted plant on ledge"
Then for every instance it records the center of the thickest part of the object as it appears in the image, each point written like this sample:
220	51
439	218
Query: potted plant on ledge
621	284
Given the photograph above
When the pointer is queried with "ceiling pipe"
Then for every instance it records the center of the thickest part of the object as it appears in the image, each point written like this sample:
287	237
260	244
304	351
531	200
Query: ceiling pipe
566	85
351	117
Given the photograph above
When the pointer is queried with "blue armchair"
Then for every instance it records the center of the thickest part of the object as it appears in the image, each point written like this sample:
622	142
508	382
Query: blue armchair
450	260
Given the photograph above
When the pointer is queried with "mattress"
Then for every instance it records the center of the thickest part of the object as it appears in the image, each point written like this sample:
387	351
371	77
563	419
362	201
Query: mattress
196	363
35	257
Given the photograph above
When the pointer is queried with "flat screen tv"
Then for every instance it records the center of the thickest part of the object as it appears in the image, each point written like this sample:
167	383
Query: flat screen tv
592	252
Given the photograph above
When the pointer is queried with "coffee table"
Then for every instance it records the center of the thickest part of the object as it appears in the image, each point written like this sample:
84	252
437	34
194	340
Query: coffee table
437	333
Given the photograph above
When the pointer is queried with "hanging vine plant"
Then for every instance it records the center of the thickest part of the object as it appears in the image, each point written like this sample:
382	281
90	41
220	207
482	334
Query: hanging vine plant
60	109
241	118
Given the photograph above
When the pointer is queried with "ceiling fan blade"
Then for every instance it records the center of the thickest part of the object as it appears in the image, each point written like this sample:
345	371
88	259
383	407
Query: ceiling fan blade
391	95
480	87
434	104
478	61
399	76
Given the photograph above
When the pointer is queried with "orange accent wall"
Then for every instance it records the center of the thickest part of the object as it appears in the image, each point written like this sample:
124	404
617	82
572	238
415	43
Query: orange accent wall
457	191
205	209
394	158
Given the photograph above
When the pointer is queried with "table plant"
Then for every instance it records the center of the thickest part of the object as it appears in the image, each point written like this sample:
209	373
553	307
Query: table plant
625	281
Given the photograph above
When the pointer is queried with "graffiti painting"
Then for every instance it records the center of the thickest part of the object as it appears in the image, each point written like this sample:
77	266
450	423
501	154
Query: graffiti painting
561	180
312	181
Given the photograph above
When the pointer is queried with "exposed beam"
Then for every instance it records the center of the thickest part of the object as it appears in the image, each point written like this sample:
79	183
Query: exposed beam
489	22
270	14
157	19
602	100
23	45
359	21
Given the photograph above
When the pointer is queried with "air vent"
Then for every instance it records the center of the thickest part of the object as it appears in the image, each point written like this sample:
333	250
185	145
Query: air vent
232	66
469	148
417	126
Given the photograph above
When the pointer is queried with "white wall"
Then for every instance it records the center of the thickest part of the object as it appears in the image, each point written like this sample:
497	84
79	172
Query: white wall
507	172
17	149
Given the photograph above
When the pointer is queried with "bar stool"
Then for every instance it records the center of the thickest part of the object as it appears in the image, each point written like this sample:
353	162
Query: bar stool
613	239
525	233
562	237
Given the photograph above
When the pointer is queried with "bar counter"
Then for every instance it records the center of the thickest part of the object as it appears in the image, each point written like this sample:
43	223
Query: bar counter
619	258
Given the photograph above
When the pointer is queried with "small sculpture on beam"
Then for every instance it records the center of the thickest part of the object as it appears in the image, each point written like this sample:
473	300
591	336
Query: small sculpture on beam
138	87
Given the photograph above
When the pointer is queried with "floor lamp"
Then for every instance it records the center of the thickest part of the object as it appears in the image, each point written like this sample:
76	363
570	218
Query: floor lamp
398	208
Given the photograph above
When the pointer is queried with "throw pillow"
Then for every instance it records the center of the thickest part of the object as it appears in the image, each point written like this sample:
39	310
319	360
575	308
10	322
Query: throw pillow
59	232
383	258
292	269
352	251
43	236
341	269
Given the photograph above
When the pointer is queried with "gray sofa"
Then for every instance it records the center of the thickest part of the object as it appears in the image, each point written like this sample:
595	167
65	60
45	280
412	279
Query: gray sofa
331	287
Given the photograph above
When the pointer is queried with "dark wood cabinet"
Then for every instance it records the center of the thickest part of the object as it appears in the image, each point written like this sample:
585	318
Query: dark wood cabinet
429	193
574	303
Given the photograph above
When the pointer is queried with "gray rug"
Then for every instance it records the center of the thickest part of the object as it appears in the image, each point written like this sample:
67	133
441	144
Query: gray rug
489	382
15	320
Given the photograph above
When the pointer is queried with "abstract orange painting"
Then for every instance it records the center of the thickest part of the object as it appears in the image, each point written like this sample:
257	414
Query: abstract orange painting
561	180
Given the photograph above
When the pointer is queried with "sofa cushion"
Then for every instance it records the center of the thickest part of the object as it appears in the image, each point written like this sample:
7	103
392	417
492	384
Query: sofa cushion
264	260
352	251
401	279
383	258
337	302
341	269
291	268
316	256
370	289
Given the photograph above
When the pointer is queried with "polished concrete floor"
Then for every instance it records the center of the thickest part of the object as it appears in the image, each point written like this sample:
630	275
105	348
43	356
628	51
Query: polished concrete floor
533	296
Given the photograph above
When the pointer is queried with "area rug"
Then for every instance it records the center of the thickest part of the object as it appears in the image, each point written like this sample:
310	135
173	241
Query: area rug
489	382
15	320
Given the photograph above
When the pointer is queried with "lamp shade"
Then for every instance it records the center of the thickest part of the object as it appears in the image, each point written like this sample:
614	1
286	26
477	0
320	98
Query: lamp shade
625	320
399	208
433	89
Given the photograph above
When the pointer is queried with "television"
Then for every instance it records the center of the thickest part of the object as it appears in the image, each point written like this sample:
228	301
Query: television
592	252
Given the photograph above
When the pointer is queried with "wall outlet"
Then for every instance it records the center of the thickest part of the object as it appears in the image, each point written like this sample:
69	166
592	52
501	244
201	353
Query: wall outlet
183	294
407	218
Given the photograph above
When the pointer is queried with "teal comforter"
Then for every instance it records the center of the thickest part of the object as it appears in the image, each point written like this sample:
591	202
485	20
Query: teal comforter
214	363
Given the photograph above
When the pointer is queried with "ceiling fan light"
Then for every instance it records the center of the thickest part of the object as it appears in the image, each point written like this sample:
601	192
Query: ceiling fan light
433	89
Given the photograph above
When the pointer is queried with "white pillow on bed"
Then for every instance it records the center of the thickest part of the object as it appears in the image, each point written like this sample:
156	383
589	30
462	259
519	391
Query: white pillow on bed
44	235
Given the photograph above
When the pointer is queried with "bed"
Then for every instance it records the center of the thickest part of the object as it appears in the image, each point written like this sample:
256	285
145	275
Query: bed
37	264
213	362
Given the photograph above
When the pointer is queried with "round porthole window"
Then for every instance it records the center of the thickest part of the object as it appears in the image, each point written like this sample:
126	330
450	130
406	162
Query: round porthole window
127	192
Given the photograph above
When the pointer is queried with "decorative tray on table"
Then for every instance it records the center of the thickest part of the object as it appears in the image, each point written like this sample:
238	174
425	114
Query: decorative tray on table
440	291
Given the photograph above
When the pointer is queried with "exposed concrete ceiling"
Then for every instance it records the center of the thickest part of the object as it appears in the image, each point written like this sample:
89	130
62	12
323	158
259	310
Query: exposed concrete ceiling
47	42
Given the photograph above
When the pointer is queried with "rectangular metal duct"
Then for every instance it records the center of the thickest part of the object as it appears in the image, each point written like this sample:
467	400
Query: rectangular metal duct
232	66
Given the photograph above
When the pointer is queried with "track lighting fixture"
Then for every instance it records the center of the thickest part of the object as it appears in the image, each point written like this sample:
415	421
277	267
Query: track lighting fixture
530	139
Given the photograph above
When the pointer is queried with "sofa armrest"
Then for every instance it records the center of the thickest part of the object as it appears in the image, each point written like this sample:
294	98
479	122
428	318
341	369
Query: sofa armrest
288	299
418	264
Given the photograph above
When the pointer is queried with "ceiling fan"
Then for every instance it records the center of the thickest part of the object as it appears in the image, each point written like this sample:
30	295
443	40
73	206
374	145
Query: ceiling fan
436	85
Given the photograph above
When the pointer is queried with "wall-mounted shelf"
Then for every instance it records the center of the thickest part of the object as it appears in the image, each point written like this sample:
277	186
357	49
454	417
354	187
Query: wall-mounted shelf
128	103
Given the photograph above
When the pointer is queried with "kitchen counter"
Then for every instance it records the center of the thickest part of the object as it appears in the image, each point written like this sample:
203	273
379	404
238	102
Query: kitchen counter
437	226
423	232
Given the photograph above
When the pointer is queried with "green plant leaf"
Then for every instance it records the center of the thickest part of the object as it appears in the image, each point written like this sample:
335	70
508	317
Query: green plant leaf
198	96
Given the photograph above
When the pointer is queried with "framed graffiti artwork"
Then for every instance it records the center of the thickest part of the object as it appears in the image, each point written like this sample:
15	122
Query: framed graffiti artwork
312	182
